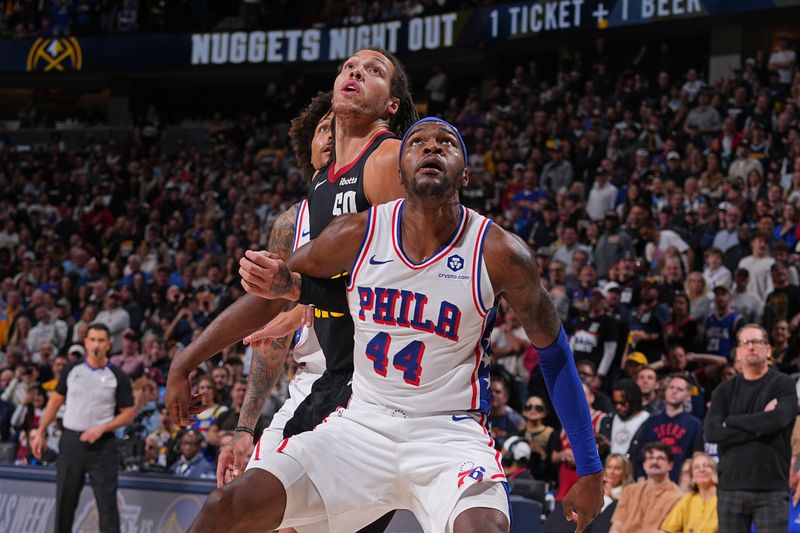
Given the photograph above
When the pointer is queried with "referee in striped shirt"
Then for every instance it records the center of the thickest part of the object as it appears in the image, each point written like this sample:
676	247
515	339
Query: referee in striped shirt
98	400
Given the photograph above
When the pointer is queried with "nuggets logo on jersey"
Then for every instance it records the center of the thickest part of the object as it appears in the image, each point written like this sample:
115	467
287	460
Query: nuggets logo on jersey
394	300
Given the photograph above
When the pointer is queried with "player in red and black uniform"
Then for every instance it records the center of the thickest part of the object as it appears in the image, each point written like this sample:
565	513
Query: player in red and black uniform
372	104
334	192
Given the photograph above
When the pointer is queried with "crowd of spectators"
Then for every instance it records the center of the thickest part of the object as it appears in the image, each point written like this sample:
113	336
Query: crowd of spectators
35	18
663	211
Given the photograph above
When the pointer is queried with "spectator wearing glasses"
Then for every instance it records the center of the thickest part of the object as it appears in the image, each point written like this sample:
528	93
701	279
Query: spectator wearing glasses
152	455
643	506
622	427
191	463
537	434
752	416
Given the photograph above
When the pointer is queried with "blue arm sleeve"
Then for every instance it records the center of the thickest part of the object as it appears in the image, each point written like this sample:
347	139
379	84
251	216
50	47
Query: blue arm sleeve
566	391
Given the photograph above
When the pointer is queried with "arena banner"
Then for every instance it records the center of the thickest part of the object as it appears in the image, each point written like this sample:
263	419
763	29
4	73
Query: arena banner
161	504
146	503
481	26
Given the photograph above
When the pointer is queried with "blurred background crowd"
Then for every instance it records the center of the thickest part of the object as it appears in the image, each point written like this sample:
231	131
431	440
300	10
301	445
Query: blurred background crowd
663	209
27	18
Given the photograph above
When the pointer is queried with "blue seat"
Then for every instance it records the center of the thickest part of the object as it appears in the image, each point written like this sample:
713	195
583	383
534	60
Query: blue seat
526	515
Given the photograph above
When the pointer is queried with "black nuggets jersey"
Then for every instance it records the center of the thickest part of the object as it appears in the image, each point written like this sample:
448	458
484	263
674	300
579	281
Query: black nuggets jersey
335	192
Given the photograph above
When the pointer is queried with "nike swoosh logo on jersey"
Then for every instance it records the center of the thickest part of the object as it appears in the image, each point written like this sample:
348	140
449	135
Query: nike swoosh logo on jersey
373	261
318	185
305	233
461	418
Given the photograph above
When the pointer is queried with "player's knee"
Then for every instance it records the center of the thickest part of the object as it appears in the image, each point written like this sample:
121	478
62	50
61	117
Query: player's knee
218	500
481	520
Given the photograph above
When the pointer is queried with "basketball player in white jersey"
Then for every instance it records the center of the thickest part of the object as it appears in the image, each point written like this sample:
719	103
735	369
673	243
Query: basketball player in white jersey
311	137
425	275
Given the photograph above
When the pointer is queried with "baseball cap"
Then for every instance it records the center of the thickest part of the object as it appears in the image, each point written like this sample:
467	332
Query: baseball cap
642	151
519	166
638	357
517	448
610	286
601	170
77	348
673	156
598	291
543	251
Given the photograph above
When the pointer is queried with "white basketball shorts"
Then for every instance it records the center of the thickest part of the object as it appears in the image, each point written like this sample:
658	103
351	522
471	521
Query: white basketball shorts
365	461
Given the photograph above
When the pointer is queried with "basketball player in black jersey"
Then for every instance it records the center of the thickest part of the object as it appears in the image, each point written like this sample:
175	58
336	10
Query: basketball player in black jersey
371	100
310	136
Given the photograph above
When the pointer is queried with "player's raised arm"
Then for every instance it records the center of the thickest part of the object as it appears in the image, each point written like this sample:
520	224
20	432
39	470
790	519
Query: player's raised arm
244	316
514	275
264	274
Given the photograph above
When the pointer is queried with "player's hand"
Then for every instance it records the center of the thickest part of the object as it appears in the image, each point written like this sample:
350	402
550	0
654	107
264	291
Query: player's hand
308	316
263	336
233	458
569	456
282	325
584	500
92	434
38	444
181	403
264	274
225	465
242	450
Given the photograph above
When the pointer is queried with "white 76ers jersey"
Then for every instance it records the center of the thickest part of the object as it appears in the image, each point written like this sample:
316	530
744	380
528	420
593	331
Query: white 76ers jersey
421	330
306	348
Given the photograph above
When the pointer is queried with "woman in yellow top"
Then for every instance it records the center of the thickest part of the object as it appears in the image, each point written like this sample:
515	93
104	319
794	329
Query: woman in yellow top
696	512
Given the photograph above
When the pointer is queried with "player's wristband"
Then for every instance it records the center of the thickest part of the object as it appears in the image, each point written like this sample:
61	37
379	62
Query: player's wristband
327	294
564	385
245	429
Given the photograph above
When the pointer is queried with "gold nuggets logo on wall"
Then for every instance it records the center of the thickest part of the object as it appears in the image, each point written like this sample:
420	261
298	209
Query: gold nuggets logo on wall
55	54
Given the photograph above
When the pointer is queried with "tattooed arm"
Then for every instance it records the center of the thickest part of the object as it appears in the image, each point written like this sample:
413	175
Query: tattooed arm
268	359
514	275
243	317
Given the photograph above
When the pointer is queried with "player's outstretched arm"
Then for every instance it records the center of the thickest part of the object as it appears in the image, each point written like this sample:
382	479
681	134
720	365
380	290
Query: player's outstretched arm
514	275
246	315
331	253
